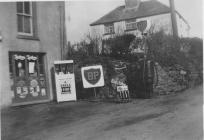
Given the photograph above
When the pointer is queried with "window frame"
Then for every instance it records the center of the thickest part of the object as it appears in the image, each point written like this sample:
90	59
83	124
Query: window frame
108	30
131	23
26	15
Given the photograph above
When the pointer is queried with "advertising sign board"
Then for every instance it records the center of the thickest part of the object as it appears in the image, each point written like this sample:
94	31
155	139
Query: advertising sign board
92	76
65	80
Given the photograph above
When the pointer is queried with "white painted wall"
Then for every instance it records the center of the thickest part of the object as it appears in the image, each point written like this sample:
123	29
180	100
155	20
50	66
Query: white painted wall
183	29
158	21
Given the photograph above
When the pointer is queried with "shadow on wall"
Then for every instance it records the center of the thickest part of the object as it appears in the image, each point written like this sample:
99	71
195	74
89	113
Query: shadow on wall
53	84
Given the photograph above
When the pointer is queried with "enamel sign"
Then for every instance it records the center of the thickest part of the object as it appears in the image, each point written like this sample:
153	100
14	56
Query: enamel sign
65	80
143	25
92	76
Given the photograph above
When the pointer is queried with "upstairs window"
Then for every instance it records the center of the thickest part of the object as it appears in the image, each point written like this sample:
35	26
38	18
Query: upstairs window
131	24
109	28
25	18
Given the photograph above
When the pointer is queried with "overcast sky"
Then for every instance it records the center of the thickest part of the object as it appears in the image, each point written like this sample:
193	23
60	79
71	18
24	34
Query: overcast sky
84	12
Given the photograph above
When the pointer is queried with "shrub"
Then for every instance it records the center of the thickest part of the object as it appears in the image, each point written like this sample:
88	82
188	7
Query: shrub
119	45
172	52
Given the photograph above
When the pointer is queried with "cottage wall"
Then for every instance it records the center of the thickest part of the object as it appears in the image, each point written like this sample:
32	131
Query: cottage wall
48	33
183	28
158	22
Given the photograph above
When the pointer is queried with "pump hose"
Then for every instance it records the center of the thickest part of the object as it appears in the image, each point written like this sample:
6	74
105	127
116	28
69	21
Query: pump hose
156	74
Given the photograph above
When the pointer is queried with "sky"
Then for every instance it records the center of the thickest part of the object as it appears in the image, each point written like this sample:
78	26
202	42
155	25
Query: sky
81	13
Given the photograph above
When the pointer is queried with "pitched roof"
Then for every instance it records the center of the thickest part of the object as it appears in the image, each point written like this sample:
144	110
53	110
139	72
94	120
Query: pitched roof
146	8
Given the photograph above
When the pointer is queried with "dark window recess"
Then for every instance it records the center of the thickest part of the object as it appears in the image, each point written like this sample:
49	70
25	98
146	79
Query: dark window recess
27	7
20	23
10	66
41	65
27	25
19	7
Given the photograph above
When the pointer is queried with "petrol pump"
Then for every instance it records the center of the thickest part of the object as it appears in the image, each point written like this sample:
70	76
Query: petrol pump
142	70
65	80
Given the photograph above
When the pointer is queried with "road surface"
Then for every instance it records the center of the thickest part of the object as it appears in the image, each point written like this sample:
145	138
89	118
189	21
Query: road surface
171	117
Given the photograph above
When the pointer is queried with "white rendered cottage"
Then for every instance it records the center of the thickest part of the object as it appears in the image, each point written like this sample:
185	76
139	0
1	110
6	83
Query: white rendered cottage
124	19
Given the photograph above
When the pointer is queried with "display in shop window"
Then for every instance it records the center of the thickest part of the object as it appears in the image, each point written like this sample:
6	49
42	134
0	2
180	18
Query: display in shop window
31	67
19	57
33	83
31	57
33	92
25	90
34	88
20	83
43	92
42	81
18	90
21	92
28	76
21	70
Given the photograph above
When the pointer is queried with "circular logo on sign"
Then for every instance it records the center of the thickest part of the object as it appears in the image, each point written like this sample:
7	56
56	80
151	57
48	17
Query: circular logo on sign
92	75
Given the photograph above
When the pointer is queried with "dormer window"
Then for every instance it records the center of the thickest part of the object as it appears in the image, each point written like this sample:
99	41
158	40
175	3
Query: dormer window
109	28
131	24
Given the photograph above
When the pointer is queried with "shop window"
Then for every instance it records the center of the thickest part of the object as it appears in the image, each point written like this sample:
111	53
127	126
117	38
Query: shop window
28	85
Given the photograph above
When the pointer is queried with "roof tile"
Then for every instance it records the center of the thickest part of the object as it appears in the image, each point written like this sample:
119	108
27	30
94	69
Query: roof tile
146	8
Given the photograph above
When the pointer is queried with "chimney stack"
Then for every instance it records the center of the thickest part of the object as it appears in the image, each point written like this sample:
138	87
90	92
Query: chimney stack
132	4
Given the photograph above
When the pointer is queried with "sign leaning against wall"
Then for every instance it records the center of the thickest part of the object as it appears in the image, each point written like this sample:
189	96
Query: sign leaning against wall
92	76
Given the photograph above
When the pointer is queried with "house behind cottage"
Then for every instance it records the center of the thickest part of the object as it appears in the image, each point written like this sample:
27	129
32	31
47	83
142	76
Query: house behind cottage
31	37
125	19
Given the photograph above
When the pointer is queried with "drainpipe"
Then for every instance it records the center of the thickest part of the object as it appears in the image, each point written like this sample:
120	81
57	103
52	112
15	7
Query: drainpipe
62	31
173	18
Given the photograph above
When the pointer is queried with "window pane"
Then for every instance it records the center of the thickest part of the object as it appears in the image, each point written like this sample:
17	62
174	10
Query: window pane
109	28
19	7
27	26
41	60
20	23
27	7
41	70
20	68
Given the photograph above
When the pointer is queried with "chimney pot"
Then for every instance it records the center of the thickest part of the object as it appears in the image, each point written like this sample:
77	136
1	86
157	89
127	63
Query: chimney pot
130	4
